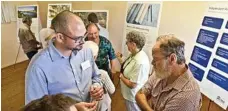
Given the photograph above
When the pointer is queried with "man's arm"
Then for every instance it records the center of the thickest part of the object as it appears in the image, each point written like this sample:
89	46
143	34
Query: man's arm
142	101
35	83
144	94
112	57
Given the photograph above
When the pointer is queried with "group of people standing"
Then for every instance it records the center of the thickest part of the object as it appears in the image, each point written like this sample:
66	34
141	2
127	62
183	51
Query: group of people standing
70	74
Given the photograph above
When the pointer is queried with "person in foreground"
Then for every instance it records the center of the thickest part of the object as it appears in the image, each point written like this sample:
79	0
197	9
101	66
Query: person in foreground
172	87
64	67
134	70
57	102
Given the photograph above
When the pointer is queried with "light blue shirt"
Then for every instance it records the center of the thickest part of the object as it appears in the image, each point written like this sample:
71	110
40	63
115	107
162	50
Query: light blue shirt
50	72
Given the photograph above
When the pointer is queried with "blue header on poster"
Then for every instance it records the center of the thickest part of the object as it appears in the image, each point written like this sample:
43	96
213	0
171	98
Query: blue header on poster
222	53
197	72
201	56
224	39
222	66
218	79
212	22
207	38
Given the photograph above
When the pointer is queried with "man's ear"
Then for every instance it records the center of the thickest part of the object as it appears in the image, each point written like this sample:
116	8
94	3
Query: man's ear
59	37
173	58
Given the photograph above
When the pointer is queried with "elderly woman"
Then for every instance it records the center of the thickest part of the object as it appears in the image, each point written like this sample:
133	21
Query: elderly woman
105	103
134	70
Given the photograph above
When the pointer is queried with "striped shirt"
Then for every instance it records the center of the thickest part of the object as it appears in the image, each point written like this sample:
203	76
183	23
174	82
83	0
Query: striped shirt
182	95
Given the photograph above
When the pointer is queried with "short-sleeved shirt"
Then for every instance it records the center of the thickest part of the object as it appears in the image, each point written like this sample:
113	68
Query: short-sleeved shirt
50	72
105	53
182	95
25	35
136	69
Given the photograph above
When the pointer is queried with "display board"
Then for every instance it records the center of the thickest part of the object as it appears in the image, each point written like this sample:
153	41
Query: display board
143	17
209	59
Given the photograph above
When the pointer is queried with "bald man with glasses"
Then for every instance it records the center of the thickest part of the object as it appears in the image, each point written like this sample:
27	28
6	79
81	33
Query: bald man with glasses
65	66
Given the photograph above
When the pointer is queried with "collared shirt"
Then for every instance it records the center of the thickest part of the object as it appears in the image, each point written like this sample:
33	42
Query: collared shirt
105	52
50	72
25	35
136	69
182	95
103	31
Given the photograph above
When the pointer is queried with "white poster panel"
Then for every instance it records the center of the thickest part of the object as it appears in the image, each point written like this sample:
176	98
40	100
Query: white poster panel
32	11
143	17
54	9
101	14
209	59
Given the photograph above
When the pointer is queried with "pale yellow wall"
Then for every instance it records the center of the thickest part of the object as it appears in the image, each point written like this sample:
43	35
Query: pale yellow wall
9	31
117	13
9	41
180	18
43	7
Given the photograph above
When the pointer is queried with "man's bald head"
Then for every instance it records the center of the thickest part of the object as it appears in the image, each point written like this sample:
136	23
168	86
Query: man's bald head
66	22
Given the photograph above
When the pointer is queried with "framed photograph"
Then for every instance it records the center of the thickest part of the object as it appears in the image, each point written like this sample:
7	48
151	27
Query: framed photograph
27	10
101	14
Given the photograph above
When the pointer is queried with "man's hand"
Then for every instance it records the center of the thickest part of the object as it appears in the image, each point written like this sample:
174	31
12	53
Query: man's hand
83	106
96	92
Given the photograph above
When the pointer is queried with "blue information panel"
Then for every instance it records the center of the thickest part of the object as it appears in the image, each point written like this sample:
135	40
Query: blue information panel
222	53
227	25
197	72
218	79
212	22
220	65
207	38
201	56
224	39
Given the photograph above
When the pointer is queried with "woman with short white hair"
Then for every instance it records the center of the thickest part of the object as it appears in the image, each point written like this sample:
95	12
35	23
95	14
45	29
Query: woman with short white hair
134	70
105	103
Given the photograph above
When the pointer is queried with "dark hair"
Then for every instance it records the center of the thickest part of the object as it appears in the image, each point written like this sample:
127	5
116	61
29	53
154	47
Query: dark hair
26	18
170	44
58	102
92	17
90	24
60	23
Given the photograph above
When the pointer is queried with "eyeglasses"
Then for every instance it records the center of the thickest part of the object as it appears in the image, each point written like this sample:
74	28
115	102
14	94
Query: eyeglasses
154	60
76	38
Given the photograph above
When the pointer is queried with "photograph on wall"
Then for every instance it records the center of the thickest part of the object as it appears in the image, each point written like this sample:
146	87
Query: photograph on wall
33	12
27	11
54	9
101	14
143	14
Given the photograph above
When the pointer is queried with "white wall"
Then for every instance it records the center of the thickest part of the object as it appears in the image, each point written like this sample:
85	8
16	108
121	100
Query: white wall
182	19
